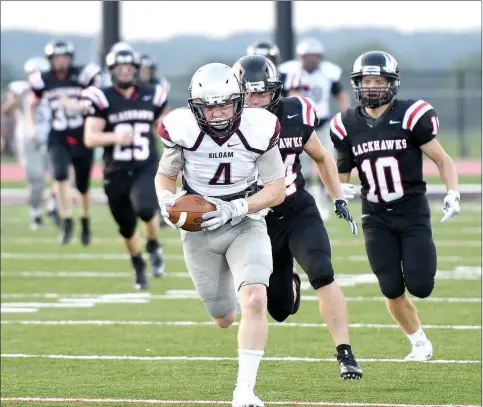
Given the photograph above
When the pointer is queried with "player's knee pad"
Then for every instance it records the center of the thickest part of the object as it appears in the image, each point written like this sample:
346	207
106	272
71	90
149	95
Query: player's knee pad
320	272
421	289
221	306
127	230
279	305
146	213
61	174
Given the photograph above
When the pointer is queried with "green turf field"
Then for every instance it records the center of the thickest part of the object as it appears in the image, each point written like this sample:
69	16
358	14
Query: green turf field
80	341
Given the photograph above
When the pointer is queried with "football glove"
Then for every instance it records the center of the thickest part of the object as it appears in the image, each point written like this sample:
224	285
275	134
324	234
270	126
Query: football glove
167	198
235	210
342	212
349	190
451	205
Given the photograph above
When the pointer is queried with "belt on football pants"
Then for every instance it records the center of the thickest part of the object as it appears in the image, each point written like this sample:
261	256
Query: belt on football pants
251	190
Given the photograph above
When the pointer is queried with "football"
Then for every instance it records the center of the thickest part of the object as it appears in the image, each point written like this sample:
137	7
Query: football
187	212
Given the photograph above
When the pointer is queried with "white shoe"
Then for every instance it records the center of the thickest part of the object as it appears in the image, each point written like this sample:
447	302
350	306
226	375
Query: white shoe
245	397
421	352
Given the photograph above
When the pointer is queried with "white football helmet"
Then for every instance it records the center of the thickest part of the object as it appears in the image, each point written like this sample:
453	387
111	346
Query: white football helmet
36	64
309	46
215	84
121	46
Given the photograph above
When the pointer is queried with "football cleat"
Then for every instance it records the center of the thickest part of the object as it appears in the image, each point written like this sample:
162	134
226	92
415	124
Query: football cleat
67	231
243	396
349	368
141	282
36	223
421	352
157	262
86	235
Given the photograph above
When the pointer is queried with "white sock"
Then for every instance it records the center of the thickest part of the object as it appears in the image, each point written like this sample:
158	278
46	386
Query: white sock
248	363
417	336
35	212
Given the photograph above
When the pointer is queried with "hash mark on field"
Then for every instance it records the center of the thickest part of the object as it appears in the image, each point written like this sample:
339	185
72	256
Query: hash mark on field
219	402
218	358
211	324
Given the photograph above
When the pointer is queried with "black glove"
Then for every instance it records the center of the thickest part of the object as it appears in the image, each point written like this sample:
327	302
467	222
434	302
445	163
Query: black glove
342	212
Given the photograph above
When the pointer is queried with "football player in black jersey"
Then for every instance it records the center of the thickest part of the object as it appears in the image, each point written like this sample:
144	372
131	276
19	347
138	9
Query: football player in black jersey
384	138
120	118
295	227
62	87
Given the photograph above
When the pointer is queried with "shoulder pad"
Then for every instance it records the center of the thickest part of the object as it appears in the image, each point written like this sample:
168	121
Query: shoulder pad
414	112
179	127
259	126
87	73
160	95
96	96
304	107
37	80
337	126
331	70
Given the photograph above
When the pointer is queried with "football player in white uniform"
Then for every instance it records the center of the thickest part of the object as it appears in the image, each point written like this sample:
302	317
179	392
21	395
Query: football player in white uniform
223	148
314	77
32	153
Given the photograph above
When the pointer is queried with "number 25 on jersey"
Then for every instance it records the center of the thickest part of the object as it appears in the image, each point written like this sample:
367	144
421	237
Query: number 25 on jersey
140	147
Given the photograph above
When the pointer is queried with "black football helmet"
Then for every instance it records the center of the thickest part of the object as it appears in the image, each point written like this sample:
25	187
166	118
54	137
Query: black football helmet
376	63
54	48
267	49
259	75
129	57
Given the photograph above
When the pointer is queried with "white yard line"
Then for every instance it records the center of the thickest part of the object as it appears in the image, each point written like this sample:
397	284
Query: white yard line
66	296
218	358
211	324
219	402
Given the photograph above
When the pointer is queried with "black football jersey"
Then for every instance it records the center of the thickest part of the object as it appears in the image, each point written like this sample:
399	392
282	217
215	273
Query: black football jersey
65	123
298	120
386	151
136	114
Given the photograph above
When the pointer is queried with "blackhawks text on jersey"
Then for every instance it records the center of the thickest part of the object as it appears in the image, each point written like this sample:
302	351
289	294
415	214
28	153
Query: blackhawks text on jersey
222	167
136	114
385	151
298	120
64	122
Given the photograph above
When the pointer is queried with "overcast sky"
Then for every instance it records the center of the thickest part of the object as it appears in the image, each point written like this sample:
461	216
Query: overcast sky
165	19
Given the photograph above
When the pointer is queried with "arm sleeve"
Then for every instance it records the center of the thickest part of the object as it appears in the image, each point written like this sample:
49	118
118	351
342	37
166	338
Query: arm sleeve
425	129
338	135
172	161
270	165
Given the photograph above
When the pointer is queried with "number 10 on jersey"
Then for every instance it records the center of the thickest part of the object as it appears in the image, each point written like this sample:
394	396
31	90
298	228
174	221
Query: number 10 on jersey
380	181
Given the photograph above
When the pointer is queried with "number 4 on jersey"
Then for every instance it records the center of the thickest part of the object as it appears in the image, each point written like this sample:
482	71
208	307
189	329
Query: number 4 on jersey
223	173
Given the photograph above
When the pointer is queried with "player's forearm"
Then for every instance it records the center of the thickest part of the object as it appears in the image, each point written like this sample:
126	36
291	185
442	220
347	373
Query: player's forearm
99	139
448	173
328	174
164	183
272	194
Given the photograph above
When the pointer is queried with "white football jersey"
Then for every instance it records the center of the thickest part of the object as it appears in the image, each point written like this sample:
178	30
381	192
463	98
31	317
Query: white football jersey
316	85
221	168
21	90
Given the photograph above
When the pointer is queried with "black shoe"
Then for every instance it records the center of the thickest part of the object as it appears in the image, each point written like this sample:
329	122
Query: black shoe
67	231
141	282
36	224
86	232
349	368
298	283
157	262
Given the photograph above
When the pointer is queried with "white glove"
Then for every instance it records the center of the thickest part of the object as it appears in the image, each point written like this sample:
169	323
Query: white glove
167	198
349	190
235	210
451	205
